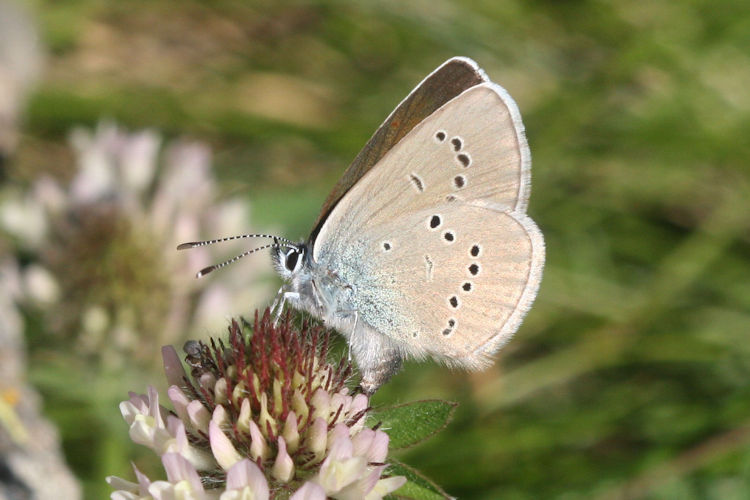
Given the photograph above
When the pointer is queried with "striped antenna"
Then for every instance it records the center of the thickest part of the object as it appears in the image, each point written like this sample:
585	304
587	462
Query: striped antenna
194	244
214	267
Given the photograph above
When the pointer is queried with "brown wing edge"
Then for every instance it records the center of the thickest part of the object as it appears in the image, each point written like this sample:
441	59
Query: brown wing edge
446	82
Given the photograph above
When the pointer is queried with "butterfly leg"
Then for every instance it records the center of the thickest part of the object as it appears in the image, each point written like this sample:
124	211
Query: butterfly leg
279	302
277	306
348	313
354	330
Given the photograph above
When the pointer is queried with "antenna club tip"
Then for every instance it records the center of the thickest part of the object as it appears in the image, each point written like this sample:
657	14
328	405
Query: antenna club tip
184	246
204	271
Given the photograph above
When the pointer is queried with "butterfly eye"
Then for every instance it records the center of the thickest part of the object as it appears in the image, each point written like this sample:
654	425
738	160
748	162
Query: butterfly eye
292	259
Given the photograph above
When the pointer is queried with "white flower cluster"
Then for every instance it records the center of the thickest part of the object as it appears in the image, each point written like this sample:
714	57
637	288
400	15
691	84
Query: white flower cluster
345	472
166	196
343	460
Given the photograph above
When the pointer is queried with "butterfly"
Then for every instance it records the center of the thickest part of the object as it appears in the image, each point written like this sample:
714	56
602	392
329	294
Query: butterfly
423	248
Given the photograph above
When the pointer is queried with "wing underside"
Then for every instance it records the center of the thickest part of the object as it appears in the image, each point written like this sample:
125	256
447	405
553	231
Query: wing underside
435	238
446	82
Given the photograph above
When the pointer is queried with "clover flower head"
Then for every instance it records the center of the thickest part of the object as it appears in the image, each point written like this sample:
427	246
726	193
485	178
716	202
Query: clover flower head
265	416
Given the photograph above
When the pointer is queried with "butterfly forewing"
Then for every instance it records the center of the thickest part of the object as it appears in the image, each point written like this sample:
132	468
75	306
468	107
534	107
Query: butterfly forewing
434	238
442	85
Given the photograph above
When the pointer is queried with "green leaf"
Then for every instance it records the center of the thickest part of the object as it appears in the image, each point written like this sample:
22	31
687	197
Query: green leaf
413	490
417	485
412	423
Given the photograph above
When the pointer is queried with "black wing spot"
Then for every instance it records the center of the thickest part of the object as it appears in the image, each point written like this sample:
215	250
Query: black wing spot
464	159
435	221
449	236
457	143
418	184
474	269
386	246
467	286
454	302
440	135
459	181
475	251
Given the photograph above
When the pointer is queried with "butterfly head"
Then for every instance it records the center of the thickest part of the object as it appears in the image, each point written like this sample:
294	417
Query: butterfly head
287	256
289	259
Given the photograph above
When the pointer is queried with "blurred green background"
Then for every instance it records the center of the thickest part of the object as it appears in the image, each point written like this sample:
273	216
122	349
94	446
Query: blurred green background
630	377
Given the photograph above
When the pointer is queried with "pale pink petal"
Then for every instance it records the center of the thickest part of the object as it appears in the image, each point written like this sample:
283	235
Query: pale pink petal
360	402
96	177
179	469
367	483
124	495
243	420
222	448
138	160
140	401
220	392
341	445
317	437
379	449
199	415
220	416
340	401
154	409
129	411
362	441
180	402
162	490
321	402
258	446
283	467
200	459
246	473
118	483
290	432
335	475
309	491
176	428
385	487
207	381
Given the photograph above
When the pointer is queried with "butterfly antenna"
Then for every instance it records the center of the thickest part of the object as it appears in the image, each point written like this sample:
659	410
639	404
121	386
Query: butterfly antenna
194	244
214	267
